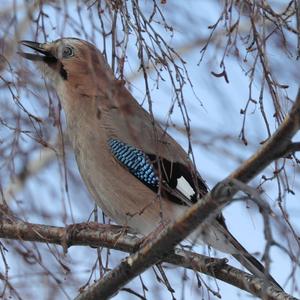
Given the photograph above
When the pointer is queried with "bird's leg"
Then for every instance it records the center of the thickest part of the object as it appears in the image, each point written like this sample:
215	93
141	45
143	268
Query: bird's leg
147	239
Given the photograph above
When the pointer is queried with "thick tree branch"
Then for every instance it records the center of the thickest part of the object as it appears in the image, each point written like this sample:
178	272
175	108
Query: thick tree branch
202	211
115	237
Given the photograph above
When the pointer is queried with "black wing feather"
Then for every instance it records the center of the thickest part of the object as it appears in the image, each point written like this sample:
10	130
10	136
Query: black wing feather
152	170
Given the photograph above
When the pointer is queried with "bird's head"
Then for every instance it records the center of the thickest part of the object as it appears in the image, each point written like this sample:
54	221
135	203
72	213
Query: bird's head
70	61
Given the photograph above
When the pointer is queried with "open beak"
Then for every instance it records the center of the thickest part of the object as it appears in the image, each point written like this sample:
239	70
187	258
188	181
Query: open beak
44	54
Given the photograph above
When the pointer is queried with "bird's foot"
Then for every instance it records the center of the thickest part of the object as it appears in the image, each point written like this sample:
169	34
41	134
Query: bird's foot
216	263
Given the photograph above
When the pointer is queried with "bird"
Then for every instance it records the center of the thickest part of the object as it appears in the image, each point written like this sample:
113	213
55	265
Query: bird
135	171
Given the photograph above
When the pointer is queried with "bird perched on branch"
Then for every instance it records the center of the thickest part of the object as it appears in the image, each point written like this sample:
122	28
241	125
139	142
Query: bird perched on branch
137	174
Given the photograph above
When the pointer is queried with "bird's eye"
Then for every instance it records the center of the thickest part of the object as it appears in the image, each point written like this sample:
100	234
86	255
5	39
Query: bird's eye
67	52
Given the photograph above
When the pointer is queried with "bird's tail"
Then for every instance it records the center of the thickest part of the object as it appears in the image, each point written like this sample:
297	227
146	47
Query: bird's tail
255	267
248	260
217	235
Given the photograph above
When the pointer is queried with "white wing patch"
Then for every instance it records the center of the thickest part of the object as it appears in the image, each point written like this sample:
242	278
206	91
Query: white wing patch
184	187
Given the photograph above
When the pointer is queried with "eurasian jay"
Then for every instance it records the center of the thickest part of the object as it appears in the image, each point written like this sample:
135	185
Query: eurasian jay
137	173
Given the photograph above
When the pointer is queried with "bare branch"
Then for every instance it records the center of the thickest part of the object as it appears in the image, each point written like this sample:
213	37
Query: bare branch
115	237
277	146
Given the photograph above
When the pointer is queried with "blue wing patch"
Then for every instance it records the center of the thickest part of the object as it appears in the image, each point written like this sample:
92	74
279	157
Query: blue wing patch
135	160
